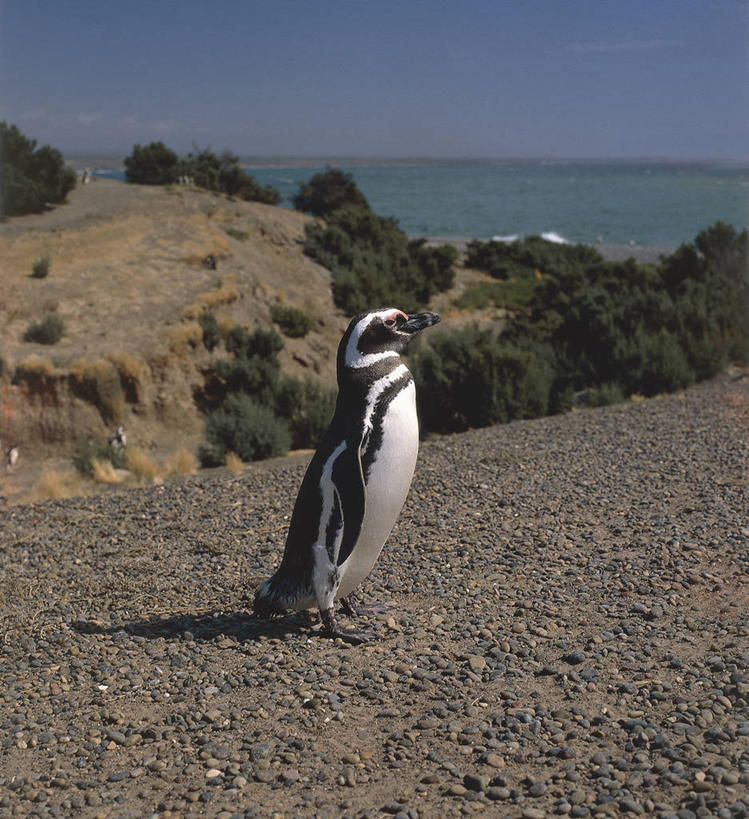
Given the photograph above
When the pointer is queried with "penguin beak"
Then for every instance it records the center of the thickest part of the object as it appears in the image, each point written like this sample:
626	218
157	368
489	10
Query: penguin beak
419	321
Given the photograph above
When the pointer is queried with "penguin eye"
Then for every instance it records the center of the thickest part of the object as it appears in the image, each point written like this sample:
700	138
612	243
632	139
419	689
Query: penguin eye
390	322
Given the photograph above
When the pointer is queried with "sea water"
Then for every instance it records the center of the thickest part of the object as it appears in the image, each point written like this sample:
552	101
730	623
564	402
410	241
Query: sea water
657	204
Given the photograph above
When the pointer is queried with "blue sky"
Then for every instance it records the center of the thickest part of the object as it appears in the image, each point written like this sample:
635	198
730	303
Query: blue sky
388	78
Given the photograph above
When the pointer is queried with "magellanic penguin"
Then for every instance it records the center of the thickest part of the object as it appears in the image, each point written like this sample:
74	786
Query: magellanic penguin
358	479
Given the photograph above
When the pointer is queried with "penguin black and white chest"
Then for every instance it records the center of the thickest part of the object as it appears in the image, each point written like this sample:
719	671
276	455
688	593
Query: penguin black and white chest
358	479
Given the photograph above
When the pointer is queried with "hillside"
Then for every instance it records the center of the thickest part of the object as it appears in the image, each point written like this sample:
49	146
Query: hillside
128	278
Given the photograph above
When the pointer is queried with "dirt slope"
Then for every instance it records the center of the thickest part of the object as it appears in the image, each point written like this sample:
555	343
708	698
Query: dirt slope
128	279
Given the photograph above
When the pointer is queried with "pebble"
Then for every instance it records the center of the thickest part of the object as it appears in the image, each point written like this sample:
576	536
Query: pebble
567	636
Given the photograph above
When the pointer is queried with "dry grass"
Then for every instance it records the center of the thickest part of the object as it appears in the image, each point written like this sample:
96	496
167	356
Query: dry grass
181	462
227	294
233	462
35	369
225	324
184	336
104	472
142	465
53	484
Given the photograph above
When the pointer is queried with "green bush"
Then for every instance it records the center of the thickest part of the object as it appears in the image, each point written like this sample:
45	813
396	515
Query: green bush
648	329
327	192
211	332
40	268
435	263
373	262
608	393
470	378
30	177
512	294
47	331
235	233
86	451
293	322
312	416
223	173
243	426
152	164
525	257
155	164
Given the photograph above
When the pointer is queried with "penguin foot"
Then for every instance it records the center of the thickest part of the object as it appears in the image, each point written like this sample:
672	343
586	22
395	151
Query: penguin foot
372	609
350	608
330	629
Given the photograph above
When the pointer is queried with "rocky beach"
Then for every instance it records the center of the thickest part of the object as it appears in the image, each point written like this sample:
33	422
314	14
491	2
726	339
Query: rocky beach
567	634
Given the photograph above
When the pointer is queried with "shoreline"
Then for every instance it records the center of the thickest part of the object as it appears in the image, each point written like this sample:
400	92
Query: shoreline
642	254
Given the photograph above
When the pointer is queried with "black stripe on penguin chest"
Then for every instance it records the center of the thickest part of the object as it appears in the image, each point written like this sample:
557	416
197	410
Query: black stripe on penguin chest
375	436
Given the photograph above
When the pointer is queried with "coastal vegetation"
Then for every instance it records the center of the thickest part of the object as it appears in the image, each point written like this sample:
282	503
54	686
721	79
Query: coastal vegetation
294	323
327	192
591	332
156	164
40	268
30	178
229	360
371	260
47	330
252	409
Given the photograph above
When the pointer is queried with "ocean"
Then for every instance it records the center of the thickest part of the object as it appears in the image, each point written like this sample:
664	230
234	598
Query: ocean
646	203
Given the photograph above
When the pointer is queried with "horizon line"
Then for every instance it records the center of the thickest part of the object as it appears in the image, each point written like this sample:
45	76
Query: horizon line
403	158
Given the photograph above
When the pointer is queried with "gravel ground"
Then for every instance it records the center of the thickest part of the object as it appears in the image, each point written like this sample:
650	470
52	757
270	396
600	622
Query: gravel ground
568	636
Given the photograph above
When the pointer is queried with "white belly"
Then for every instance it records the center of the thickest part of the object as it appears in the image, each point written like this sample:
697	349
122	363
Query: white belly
389	480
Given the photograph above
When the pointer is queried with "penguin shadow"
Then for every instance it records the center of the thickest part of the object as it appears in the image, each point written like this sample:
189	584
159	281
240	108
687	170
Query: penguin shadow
241	626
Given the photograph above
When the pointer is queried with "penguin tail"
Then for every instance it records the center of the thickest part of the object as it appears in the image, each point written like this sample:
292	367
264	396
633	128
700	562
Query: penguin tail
277	595
266	603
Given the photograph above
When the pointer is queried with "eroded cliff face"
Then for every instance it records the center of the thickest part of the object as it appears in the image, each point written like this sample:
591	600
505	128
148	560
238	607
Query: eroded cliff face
128	277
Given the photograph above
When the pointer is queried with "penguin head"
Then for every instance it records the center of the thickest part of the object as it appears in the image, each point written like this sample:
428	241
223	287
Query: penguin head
378	335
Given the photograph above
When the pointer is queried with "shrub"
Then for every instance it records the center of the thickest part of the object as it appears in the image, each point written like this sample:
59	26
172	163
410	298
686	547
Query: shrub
372	261
152	164
435	263
512	294
506	260
608	393
235	233
30	178
470	378
293	322
48	330
86	452
40	268
211	332
327	192
222	173
249	429
309	422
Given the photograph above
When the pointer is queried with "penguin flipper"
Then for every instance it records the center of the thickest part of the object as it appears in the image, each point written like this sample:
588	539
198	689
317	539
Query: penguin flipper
348	478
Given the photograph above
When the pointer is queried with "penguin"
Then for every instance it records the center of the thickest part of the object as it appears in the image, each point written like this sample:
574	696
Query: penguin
118	439
357	481
11	457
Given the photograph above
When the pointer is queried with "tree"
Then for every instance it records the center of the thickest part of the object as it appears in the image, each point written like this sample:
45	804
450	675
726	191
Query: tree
329	191
152	164
30	178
